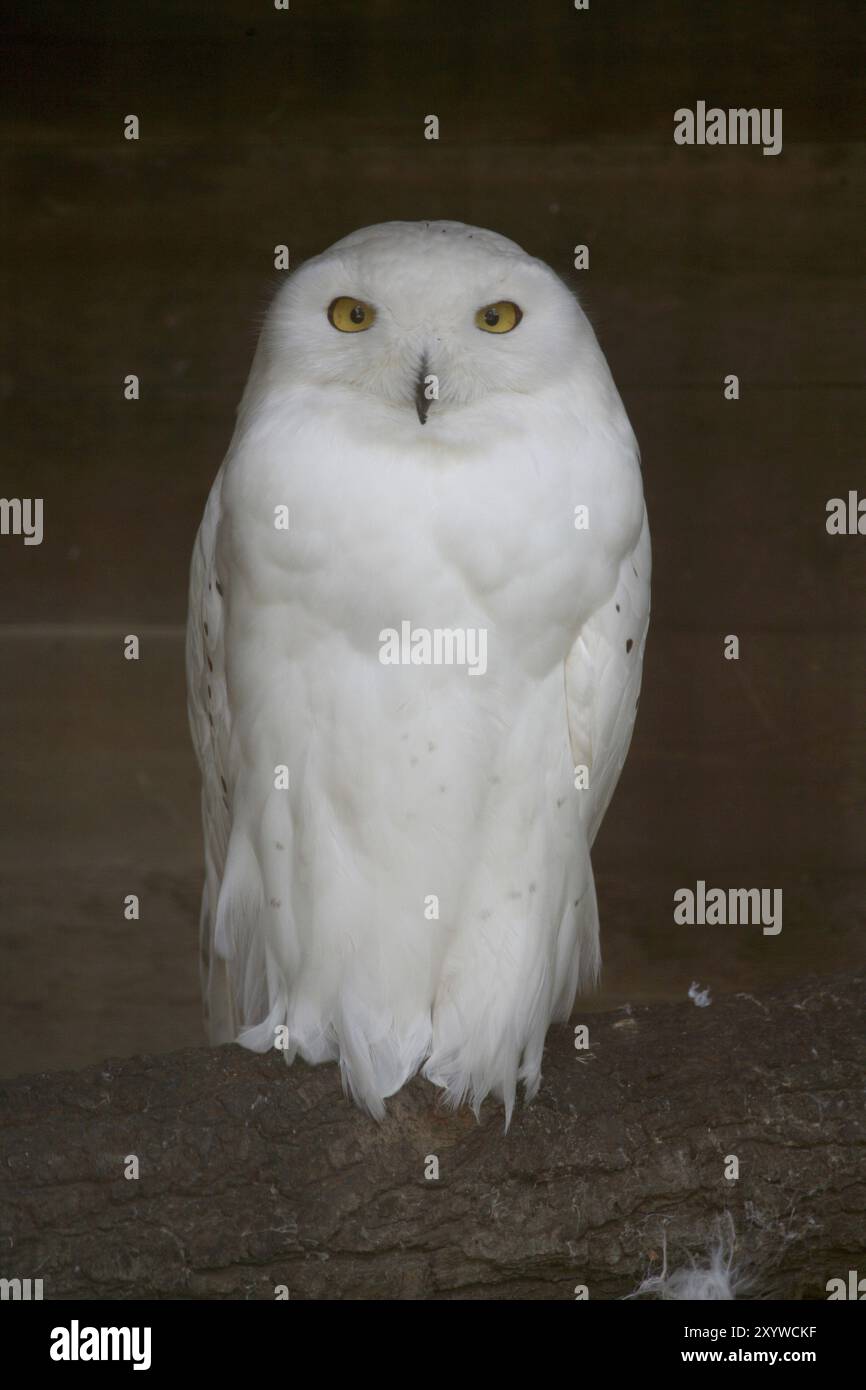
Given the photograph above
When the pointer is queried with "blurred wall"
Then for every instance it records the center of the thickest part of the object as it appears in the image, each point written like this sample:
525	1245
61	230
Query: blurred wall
155	257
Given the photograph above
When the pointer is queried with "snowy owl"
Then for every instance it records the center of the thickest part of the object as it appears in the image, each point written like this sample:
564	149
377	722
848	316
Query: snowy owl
418	606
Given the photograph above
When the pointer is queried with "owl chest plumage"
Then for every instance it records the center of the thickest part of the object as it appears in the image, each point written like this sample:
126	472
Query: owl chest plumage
519	530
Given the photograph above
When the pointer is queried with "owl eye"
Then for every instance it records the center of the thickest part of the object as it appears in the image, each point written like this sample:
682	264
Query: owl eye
350	315
500	317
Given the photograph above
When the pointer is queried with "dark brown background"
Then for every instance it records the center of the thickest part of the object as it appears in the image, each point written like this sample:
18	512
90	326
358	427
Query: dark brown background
259	127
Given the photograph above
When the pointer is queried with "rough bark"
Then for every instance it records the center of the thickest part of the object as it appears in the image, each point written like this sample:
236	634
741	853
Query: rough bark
254	1175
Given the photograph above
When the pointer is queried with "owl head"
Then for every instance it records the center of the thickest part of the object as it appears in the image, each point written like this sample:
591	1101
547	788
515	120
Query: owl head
426	319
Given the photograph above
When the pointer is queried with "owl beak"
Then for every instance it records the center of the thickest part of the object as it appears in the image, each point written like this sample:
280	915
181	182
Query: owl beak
422	403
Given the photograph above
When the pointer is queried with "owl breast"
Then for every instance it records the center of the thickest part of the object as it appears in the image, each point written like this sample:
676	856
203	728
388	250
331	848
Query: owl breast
519	534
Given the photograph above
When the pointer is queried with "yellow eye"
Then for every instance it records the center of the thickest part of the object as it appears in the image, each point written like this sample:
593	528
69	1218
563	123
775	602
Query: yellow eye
500	317
351	315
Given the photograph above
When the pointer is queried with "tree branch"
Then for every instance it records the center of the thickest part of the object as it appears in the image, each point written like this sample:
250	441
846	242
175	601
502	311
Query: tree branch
254	1175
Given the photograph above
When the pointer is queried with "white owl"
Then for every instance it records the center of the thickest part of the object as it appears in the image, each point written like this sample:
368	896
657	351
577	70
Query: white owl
418	606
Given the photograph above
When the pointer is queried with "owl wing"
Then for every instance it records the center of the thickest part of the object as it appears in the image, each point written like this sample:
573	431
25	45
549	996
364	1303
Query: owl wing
602	681
210	724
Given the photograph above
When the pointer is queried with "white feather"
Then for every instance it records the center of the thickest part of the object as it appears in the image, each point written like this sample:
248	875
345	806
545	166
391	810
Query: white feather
713	1278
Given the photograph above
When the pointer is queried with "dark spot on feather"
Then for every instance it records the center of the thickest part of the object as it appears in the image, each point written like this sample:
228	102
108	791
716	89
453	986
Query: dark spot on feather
209	664
532	887
278	845
617	608
209	693
219	588
629	644
276	902
223	784
206	633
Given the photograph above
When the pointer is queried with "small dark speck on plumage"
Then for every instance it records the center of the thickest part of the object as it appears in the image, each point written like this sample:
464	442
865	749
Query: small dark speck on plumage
209	664
617	608
629	644
223	784
219	588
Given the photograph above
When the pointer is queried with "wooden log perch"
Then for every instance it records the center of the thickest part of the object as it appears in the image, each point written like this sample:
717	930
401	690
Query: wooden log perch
253	1175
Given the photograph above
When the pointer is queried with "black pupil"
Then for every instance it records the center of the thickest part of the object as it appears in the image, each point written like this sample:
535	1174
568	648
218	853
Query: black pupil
357	315
491	317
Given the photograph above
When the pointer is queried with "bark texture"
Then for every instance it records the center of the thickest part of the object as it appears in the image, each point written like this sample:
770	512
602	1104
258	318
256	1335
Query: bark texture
254	1175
